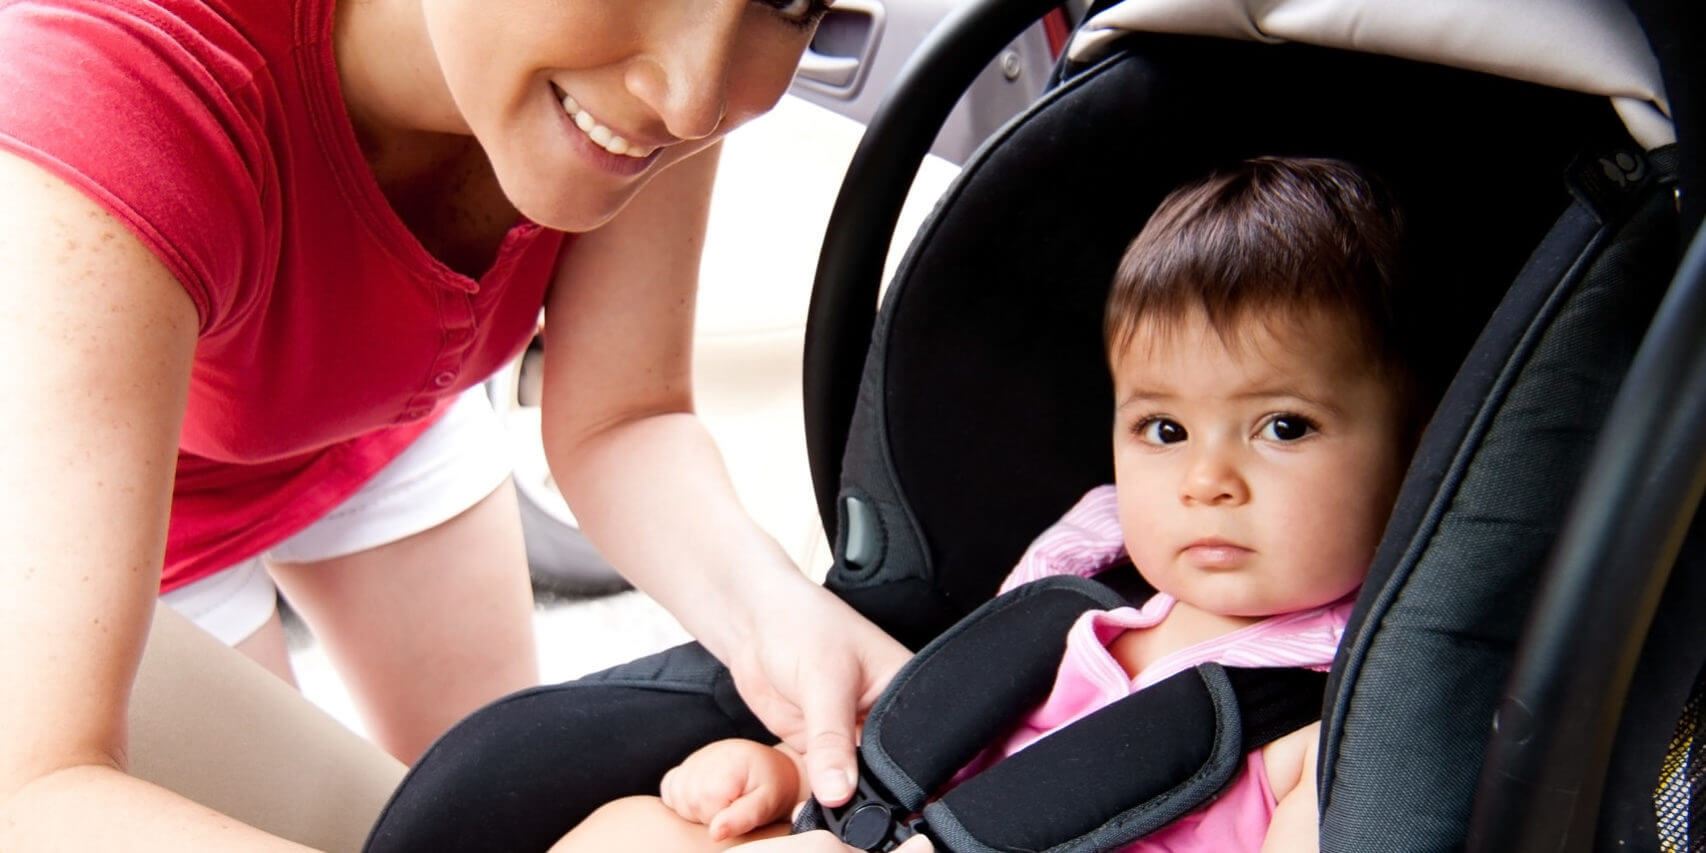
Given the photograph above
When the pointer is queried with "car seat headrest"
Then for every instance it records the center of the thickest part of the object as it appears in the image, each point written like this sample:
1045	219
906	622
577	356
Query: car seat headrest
1593	47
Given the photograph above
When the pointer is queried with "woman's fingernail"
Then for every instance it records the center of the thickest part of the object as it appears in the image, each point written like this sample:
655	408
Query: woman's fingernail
834	784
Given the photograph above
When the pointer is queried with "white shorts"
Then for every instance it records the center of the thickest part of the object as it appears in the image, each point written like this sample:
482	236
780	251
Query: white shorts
452	466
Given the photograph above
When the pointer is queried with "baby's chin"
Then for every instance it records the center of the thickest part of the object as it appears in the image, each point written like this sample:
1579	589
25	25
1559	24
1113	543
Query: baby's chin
1265	609
1243	604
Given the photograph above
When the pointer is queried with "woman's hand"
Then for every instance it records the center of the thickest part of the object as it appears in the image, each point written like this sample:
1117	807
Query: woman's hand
733	787
809	666
821	842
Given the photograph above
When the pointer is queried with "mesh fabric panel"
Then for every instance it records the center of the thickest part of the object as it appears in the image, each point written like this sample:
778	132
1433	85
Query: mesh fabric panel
1680	799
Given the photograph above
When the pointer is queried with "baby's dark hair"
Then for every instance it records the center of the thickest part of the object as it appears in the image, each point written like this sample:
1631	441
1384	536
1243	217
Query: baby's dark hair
1272	235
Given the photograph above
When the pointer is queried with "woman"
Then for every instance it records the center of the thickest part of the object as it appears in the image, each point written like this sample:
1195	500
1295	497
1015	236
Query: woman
256	251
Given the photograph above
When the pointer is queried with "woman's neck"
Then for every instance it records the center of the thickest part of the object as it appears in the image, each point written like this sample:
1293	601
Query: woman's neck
404	117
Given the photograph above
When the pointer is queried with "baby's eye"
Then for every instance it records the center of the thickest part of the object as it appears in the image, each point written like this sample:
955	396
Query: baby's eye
1159	431
1287	427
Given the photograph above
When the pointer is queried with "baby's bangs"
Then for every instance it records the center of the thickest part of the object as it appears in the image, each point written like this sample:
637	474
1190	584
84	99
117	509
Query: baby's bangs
1270	239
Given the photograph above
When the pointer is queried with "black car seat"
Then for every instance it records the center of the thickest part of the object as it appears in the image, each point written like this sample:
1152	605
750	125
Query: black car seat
981	407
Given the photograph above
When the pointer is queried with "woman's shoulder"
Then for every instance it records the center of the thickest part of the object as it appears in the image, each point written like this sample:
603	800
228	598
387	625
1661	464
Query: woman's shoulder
231	39
149	107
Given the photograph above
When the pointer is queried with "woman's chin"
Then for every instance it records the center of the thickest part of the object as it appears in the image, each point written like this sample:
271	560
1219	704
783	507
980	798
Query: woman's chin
563	212
573	222
564	203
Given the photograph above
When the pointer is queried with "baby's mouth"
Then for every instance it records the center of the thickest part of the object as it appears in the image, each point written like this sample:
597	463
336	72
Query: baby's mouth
1216	553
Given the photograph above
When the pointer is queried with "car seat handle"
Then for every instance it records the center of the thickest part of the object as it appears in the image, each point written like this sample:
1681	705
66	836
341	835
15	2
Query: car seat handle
861	225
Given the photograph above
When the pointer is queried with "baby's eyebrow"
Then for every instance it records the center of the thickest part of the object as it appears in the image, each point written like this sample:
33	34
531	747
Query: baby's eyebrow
1156	395
1286	393
1139	395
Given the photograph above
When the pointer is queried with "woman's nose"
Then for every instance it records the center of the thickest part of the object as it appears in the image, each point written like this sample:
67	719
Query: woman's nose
685	75
1213	479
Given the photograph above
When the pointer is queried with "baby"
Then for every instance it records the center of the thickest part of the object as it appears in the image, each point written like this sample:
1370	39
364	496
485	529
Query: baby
1264	413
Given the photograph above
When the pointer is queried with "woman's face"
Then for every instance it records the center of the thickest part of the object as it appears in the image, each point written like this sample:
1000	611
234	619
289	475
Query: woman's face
578	103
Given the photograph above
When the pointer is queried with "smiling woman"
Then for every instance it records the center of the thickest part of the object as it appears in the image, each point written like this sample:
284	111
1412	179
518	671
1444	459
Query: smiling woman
276	244
536	82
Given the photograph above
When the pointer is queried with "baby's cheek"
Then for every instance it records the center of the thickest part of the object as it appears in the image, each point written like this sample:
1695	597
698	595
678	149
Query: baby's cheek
1142	548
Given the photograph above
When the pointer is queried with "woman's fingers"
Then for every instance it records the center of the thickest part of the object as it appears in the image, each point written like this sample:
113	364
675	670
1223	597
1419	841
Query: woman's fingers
810	693
829	705
844	687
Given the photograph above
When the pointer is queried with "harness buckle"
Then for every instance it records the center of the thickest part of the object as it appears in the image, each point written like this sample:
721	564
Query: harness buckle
871	820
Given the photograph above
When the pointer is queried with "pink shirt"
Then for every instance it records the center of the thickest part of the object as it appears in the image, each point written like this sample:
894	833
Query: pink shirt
1086	540
216	132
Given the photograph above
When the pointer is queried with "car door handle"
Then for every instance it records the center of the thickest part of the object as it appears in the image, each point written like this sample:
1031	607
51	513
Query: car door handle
835	71
845	42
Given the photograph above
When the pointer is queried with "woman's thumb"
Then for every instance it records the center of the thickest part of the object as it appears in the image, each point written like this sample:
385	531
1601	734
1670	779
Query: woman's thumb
829	717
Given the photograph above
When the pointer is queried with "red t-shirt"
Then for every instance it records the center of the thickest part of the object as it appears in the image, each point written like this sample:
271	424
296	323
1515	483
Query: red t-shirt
329	337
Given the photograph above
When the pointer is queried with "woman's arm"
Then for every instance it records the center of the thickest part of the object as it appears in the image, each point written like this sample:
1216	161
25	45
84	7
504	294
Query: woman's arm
649	488
96	342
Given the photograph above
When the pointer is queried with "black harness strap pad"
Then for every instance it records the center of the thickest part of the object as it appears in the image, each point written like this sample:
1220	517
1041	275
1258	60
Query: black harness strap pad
1131	767
1275	702
975	681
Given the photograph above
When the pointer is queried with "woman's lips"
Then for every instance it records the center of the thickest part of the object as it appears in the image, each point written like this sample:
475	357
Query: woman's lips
598	155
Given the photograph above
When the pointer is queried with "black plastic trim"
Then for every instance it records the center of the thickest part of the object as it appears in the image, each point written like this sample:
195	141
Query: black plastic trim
1546	763
850	265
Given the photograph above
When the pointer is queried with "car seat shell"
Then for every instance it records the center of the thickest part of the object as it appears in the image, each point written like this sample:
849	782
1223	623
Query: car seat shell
1591	46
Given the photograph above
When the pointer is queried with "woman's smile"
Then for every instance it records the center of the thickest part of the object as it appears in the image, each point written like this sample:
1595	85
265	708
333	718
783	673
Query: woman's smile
604	147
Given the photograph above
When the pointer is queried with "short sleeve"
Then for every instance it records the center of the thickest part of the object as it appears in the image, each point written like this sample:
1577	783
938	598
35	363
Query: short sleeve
151	112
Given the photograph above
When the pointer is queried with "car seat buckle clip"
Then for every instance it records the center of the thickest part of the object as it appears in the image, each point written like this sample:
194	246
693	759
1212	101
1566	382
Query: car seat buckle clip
871	820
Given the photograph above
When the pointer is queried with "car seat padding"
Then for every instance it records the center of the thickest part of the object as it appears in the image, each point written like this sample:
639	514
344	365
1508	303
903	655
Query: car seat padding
1436	626
519	773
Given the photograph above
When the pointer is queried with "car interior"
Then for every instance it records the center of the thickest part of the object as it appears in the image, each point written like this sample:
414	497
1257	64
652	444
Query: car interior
1524	665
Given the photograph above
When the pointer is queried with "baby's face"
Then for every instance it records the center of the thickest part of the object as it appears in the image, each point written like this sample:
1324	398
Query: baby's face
1254	478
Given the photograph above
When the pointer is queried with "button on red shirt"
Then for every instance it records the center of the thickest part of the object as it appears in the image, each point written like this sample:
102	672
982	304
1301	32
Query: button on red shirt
216	131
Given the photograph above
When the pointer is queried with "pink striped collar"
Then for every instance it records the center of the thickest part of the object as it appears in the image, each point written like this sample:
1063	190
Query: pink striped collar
1306	638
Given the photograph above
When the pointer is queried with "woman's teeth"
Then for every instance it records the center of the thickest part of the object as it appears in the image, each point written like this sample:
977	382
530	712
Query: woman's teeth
598	133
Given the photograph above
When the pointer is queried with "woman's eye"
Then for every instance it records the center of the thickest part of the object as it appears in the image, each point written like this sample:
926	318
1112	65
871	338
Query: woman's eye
801	13
1160	431
1287	428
